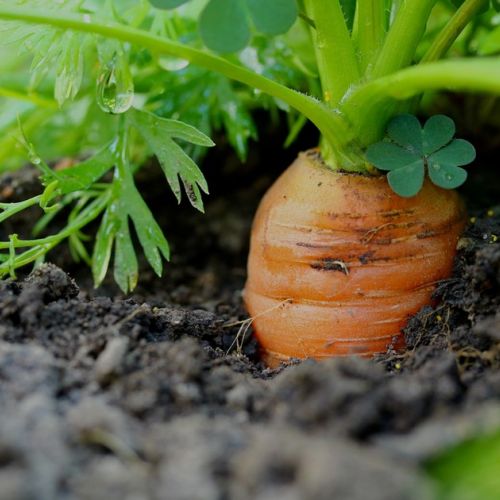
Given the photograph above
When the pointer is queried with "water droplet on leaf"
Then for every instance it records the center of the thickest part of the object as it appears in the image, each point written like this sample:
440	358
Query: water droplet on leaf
35	159
170	63
115	86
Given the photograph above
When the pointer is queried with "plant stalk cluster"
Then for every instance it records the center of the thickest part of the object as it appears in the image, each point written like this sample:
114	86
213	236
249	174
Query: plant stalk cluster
364	69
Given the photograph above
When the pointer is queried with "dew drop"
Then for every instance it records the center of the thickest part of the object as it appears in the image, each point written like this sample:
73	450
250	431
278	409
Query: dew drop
34	159
170	63
115	86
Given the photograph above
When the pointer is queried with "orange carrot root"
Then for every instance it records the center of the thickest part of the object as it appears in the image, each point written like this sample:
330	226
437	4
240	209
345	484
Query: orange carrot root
352	260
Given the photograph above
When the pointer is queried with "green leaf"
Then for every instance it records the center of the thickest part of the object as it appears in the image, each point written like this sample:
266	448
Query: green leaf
82	176
469	470
114	230
208	101
273	17
389	156
235	117
406	131
438	131
458	152
407	157
407	181
103	245
130	12
175	163
148	231
171	128
167	4
447	176
490	43
69	71
224	26
53	50
77	247
178	130
126	268
65	54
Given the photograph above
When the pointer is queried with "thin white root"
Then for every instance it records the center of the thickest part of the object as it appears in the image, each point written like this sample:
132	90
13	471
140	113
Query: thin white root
245	324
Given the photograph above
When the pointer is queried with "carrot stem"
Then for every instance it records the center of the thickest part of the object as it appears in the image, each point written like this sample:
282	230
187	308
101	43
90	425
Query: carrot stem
377	96
354	116
452	29
403	37
335	55
371	30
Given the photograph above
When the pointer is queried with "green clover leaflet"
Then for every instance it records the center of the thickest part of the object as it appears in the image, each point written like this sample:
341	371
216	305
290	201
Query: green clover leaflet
225	25
409	150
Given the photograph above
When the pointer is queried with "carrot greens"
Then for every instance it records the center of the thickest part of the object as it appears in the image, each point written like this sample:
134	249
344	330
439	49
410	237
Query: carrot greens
111	83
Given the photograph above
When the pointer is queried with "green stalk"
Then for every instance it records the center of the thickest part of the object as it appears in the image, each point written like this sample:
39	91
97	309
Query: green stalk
335	55
10	209
403	37
370	30
86	216
333	127
38	248
452	30
447	36
397	52
471	75
123	172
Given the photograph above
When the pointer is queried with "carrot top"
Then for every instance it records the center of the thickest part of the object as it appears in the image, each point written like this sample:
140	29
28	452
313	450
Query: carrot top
125	75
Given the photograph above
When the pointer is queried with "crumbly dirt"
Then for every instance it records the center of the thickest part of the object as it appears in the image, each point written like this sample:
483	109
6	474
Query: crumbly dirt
161	396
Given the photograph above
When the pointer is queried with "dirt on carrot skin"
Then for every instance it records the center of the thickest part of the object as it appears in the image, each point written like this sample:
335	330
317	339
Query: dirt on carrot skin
155	396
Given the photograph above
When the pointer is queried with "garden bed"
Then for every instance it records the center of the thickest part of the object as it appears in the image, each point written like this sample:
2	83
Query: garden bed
160	395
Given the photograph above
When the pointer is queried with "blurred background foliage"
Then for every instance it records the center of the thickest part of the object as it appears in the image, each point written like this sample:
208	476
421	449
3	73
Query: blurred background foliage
469	471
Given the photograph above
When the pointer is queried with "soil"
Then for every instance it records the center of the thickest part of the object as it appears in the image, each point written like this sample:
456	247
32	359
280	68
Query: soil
162	395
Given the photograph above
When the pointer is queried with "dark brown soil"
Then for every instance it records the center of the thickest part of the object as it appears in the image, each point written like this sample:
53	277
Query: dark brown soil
158	397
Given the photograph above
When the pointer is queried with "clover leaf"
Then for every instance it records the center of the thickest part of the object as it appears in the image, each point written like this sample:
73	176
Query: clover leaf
225	25
410	150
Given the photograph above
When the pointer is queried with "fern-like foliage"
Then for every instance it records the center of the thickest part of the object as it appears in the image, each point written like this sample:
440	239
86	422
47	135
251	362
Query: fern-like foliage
81	66
105	107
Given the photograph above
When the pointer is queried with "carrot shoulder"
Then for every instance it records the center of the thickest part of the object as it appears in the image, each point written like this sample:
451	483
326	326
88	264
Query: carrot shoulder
338	262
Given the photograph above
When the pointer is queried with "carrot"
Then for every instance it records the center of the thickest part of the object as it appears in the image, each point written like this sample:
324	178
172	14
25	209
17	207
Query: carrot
339	262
